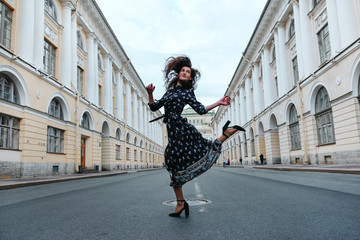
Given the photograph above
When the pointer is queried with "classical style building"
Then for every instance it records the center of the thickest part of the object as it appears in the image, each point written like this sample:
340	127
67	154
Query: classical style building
69	96
201	122
296	87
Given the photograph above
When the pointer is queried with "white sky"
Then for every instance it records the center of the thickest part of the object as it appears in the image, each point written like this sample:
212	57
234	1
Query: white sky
212	33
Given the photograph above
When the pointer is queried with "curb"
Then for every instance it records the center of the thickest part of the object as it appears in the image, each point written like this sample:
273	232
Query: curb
65	179
346	171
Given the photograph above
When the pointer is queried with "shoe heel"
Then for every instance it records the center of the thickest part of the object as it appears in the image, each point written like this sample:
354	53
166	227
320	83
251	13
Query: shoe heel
187	210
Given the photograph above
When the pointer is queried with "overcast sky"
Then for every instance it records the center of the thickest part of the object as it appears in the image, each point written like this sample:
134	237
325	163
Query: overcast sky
212	33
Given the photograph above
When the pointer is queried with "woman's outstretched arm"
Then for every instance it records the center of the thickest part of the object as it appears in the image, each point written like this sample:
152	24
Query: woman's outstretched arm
223	101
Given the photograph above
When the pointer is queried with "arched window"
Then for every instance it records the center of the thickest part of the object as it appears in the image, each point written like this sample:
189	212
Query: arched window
85	121
135	141
141	143
292	29
118	134
324	120
50	8
128	138
55	109
294	129
8	89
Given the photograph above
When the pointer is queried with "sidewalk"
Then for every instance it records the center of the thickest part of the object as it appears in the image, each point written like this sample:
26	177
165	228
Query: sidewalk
24	182
348	168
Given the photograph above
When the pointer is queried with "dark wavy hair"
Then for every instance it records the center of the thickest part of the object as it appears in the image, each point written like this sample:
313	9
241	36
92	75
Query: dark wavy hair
172	69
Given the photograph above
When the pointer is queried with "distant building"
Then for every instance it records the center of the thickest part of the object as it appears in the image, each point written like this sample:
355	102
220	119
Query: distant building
201	122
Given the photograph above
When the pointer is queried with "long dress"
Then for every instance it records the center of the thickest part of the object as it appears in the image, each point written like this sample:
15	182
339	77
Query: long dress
187	154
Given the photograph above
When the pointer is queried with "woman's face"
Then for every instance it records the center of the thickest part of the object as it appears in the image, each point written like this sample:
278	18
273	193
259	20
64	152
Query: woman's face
185	74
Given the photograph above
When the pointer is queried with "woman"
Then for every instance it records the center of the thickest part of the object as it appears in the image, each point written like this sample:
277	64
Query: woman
187	154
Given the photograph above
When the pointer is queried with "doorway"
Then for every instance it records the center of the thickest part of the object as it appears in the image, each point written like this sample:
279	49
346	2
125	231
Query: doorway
83	152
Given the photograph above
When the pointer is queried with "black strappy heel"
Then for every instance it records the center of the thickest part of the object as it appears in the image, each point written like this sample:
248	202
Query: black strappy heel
226	126
186	208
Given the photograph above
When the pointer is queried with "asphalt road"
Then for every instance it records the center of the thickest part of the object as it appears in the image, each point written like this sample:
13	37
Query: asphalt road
245	204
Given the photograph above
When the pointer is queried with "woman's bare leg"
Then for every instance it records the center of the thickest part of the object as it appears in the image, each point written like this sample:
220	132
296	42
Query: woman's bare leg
228	132
179	196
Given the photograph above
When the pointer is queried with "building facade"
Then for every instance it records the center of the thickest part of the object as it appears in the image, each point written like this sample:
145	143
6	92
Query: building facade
296	87
70	97
201	122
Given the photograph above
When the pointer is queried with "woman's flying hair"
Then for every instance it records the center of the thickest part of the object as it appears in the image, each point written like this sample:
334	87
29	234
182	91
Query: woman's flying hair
172	69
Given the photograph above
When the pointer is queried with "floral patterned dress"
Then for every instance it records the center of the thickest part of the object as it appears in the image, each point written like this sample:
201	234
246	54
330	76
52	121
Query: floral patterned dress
187	154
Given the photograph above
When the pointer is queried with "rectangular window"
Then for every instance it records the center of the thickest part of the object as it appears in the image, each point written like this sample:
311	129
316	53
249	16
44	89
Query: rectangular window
324	44
9	132
117	152
80	80
252	147
295	136
135	155
245	149
141	156
277	87
49	58
324	124
99	100
55	140
127	153
295	70
5	25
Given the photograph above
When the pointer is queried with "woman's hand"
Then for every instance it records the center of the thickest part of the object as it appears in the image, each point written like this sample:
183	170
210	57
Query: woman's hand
224	101
150	88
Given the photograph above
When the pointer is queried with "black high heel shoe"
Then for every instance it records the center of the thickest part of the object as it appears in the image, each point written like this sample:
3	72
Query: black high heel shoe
226	126
186	208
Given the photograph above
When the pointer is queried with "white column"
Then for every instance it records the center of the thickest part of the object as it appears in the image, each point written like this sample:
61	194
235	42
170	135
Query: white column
307	38
248	99
237	109
90	78
349	30
74	50
299	52
65	51
119	95
141	116
38	33
27	30
136	111
258	97
333	23
147	133
243	117
233	109
128	103
283	67
107	84
95	53
268	88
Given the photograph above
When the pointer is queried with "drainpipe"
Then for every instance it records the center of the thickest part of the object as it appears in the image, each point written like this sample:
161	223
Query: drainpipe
303	124
76	114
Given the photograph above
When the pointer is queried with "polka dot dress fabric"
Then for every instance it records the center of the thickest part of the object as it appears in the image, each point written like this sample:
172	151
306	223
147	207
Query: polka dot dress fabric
187	154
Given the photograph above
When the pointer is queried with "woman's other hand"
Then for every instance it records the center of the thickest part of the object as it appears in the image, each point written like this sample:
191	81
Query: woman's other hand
224	101
150	88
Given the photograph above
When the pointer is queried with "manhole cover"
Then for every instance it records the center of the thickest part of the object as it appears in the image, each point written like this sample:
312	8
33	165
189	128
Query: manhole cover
191	202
